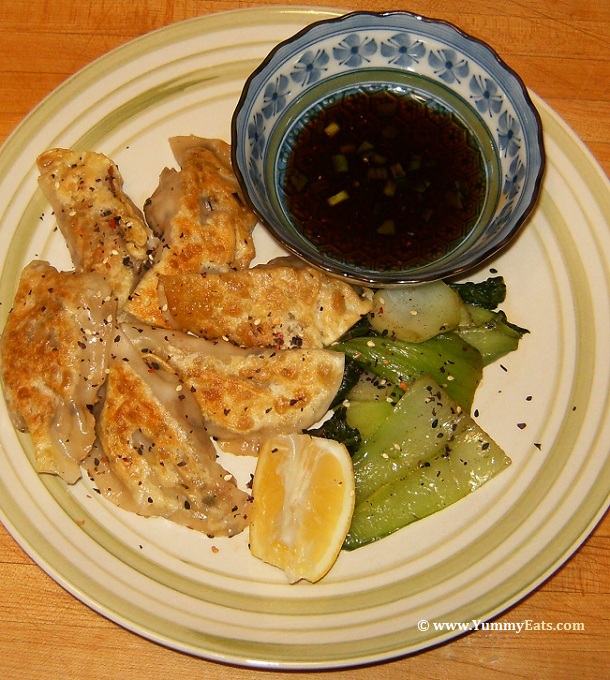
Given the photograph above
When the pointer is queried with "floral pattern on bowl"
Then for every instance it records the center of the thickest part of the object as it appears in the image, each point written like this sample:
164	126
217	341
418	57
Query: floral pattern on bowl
301	73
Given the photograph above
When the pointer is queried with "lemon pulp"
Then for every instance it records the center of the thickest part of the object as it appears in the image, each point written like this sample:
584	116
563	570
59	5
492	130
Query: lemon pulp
303	501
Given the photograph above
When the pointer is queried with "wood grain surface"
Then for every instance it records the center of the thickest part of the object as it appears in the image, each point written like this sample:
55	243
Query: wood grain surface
561	48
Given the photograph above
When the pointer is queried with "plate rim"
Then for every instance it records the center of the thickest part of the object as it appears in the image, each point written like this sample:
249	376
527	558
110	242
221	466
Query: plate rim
47	567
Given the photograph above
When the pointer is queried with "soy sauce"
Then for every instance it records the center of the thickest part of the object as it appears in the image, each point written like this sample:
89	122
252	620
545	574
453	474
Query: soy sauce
384	180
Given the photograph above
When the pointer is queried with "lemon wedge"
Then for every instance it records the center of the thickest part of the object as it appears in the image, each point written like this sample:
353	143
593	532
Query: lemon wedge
303	501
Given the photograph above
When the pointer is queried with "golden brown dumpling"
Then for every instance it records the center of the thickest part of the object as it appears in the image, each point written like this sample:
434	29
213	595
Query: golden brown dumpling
283	304
104	230
201	220
54	354
154	456
246	395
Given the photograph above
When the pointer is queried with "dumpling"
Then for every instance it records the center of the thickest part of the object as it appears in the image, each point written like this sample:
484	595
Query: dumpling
104	230
283	304
54	355
246	395
155	457
201	219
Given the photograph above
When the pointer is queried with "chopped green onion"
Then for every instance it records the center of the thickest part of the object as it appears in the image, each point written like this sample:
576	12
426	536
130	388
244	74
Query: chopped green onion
340	162
414	163
332	129
397	170
298	180
338	198
421	186
389	189
365	148
377	173
388	228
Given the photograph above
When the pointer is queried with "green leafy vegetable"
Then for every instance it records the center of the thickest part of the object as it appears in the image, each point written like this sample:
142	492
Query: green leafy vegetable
367	416
490	333
421	473
351	375
420	424
452	362
336	427
488	294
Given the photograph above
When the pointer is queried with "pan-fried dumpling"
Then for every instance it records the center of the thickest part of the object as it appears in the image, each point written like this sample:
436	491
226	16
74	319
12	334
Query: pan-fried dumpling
155	457
54	355
246	395
283	304
201	219
104	230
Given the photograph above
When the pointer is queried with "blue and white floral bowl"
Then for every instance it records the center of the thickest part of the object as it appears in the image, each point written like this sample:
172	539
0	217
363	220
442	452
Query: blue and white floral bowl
431	60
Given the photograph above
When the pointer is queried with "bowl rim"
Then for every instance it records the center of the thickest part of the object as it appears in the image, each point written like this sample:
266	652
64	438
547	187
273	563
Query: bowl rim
398	277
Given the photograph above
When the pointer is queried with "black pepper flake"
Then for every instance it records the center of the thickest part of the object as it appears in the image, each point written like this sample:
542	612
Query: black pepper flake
187	505
522	426
150	500
538	446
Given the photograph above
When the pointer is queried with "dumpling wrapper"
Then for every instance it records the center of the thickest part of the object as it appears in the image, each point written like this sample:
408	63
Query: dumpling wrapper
104	230
246	395
154	455
54	355
282	304
201	219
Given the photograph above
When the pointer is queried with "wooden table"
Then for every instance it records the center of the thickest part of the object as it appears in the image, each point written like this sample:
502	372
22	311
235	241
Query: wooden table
562	50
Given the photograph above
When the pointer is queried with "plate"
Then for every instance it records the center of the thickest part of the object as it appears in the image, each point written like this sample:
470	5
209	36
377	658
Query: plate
546	404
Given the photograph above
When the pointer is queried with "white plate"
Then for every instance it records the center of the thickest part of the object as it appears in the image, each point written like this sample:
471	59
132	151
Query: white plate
547	404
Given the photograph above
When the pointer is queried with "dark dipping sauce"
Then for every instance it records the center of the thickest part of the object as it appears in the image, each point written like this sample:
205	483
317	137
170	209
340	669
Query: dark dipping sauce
383	181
